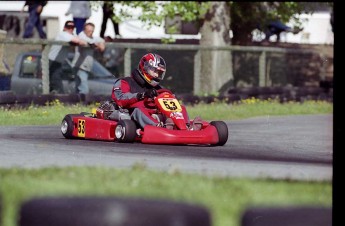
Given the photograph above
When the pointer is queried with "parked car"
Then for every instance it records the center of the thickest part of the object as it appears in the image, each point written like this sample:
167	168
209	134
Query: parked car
27	76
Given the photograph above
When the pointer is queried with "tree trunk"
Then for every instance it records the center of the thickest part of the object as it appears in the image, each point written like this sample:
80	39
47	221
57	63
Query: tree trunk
242	24
215	66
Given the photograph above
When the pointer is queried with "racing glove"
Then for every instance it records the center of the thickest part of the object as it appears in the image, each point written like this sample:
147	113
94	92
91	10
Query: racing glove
150	93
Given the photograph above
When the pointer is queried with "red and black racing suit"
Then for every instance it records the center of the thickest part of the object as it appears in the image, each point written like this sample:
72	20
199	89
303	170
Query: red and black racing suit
125	93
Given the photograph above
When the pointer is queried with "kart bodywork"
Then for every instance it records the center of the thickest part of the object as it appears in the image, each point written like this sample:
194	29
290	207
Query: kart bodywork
94	126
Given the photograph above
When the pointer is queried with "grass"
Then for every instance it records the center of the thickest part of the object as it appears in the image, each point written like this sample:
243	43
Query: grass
226	198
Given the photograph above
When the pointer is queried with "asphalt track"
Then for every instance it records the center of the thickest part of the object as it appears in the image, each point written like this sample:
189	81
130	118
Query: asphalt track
290	147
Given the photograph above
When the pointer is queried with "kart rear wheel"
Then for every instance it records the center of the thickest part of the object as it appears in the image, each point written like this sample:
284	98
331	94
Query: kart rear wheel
67	127
222	130
125	131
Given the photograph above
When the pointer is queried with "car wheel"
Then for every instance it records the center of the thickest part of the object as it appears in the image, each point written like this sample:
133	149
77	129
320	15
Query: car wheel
7	97
222	130
115	211
67	127
125	131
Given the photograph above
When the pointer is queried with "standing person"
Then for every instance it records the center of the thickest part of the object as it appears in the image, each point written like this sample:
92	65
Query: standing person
84	57
332	21
81	11
58	53
108	13
35	9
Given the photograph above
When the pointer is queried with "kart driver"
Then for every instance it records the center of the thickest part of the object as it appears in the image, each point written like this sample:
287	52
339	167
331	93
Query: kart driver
129	92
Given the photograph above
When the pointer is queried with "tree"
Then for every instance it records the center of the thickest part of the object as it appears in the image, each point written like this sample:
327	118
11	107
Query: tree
248	16
216	66
216	19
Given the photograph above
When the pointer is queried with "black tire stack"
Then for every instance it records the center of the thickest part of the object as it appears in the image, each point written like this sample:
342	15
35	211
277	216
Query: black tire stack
287	216
110	211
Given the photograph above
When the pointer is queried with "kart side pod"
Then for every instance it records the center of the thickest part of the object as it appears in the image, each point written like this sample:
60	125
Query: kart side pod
80	126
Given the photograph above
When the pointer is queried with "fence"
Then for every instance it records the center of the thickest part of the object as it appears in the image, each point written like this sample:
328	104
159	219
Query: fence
252	66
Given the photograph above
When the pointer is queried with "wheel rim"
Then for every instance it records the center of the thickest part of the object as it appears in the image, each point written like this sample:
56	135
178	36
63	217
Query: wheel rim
119	132
64	127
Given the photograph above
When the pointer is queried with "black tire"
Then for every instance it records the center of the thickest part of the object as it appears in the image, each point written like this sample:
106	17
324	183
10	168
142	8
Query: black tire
287	216
222	130
67	126
110	211
125	131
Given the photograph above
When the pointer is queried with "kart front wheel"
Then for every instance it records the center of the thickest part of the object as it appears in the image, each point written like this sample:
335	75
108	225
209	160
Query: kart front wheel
67	127
125	131
222	130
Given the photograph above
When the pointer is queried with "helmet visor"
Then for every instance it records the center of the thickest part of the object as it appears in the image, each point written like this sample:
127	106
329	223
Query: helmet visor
155	73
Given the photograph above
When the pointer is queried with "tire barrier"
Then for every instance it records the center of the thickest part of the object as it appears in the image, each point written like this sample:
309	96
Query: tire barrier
287	216
283	94
9	98
110	211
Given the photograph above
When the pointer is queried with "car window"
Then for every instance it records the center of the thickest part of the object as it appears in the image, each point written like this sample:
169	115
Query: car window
31	66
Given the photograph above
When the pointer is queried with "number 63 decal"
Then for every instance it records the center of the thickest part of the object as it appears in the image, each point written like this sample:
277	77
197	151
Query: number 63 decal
81	128
170	104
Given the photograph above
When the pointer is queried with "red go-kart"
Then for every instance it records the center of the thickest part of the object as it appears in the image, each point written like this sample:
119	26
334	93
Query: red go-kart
117	125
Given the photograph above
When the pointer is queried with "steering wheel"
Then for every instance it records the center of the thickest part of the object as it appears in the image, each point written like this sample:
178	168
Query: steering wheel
159	91
150	103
